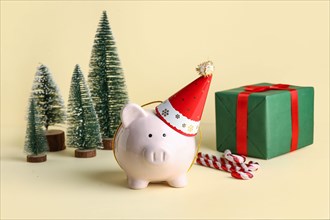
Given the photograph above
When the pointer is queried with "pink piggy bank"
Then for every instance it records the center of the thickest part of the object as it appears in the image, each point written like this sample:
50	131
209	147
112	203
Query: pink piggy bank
154	146
150	151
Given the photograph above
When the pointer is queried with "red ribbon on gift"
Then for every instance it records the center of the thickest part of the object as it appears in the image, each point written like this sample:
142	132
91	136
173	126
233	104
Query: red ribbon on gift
242	115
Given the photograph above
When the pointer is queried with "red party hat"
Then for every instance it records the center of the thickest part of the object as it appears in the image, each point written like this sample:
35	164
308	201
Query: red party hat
183	110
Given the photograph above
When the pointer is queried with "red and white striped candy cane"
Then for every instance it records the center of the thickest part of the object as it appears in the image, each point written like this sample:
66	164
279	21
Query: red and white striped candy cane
234	158
240	161
222	165
234	164
222	161
208	156
229	165
211	163
215	164
242	175
251	166
238	174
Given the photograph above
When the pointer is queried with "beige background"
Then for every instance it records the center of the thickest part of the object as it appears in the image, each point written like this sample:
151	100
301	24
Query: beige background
159	44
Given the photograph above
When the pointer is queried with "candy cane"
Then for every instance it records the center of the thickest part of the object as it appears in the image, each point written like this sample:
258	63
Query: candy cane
214	158
223	162
225	166
234	158
208	156
239	160
242	175
251	166
211	163
234	164
216	165
238	174
230	166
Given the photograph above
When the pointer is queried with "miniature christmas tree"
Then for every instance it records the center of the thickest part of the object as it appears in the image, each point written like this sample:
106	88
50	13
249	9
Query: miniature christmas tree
35	140
48	99
106	80
50	106
83	127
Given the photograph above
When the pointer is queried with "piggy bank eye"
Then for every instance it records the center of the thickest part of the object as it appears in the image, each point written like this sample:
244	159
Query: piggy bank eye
150	135
164	135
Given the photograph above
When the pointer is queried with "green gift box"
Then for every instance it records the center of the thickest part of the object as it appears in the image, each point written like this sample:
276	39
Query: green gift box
269	120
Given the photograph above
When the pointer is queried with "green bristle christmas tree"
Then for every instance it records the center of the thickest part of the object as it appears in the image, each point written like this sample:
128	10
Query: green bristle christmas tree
106	80
48	99
35	140
83	128
50	106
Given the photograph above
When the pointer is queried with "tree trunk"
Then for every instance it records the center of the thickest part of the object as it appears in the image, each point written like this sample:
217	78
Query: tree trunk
107	143
36	158
85	153
55	139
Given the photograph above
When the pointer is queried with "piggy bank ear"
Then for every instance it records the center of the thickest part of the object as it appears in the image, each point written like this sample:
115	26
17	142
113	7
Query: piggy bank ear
130	113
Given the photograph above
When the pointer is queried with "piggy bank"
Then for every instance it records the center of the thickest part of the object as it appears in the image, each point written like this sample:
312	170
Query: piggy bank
150	151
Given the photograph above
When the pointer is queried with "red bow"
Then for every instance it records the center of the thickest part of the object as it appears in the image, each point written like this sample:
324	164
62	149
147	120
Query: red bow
266	88
242	115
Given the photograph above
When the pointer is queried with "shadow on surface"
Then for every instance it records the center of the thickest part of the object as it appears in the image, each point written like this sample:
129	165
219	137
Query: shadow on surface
17	158
108	177
117	178
67	152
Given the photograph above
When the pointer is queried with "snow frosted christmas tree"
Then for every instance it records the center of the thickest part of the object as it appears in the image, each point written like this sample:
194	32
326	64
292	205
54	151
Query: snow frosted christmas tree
35	140
48	99
83	129
50	106
106	80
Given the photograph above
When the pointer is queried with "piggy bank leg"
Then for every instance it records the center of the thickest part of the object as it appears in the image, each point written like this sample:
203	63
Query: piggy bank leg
137	184
179	181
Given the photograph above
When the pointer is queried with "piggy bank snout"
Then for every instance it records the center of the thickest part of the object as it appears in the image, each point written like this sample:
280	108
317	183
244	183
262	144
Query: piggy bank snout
155	156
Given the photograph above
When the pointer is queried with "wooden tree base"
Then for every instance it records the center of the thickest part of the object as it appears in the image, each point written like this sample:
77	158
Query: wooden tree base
85	153
56	140
36	158
107	143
